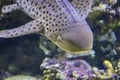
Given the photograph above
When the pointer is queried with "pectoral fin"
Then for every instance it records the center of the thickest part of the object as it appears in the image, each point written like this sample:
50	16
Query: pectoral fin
83	7
10	8
34	26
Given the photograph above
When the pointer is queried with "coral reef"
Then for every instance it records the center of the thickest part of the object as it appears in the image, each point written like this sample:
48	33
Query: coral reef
66	70
75	70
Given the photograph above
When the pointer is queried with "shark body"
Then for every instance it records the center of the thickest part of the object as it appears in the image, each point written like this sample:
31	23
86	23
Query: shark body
60	21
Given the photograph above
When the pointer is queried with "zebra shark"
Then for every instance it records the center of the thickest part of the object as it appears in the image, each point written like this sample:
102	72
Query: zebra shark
62	22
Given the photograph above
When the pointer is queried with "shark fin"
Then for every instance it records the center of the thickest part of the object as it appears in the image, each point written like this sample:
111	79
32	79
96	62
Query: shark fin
10	8
34	26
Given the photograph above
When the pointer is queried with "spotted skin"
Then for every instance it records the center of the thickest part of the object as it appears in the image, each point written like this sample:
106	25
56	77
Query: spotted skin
63	23
35	26
83	7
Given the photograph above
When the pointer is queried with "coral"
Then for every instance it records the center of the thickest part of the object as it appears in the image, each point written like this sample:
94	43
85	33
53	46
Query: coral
109	68
66	69
22	77
4	74
117	68
75	70
105	74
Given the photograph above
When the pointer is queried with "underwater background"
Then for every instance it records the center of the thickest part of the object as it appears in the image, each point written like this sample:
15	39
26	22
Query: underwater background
22	56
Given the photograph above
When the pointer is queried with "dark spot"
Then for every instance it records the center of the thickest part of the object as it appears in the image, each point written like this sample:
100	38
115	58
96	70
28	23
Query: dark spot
53	6
60	13
30	25
24	2
40	15
44	6
14	31
8	7
59	29
37	25
59	22
29	29
56	15
36	21
4	8
47	28
54	19
52	24
84	6
65	28
84	9
44	18
32	2
50	18
43	12
40	22
60	9
53	9
11	35
8	32
79	7
34	27
39	8
47	12
26	6
22	30
86	1
33	9
49	5
62	24
56	24
36	4
36	13
29	9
